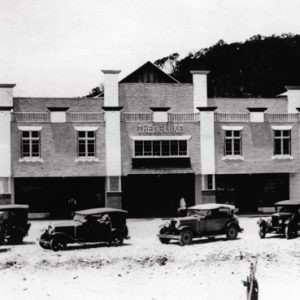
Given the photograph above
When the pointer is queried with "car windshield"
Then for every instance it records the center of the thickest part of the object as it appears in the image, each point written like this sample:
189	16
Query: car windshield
292	209
198	212
79	218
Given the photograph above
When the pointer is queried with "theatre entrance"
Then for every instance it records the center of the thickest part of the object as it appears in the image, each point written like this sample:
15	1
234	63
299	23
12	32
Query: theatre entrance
249	193
157	195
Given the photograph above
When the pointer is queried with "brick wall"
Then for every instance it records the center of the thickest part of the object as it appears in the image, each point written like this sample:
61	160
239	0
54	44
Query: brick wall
239	105
138	97
131	129
58	141
257	150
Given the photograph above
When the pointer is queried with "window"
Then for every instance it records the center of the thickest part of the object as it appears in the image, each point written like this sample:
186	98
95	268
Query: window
233	142
165	148
282	142
86	144
30	144
208	182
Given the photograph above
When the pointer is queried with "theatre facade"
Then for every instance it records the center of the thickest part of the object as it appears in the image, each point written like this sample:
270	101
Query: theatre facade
147	142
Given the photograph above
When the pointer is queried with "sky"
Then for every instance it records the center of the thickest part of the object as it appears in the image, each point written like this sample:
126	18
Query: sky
57	48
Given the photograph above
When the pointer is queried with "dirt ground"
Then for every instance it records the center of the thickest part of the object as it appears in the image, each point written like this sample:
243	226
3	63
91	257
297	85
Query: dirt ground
145	269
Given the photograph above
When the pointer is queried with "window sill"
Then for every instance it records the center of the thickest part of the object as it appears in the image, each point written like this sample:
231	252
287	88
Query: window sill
233	157
31	159
282	157
86	159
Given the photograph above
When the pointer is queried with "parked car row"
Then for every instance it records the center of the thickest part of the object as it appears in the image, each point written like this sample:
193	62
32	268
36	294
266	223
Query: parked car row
108	225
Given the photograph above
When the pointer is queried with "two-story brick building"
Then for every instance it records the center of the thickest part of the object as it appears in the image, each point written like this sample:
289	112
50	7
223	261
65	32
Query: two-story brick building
148	142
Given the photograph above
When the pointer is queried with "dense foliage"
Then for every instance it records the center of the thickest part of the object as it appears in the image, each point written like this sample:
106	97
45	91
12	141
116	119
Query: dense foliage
259	67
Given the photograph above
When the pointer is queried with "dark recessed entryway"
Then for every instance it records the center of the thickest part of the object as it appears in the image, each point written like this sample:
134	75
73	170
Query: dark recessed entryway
157	195
248	192
53	194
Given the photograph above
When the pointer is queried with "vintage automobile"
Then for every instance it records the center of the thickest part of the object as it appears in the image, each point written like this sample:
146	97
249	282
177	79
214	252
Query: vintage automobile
88	226
285	221
204	220
14	224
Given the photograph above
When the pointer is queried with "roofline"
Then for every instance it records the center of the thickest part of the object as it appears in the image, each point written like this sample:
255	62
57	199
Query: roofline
7	85
147	62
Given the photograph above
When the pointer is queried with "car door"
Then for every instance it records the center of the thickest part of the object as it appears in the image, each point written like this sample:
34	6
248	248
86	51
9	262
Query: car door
217	220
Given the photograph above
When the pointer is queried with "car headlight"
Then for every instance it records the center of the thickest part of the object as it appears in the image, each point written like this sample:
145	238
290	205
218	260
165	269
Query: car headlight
177	224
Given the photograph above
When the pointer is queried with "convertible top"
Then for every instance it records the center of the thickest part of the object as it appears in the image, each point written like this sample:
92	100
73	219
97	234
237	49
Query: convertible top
288	203
208	206
13	206
100	210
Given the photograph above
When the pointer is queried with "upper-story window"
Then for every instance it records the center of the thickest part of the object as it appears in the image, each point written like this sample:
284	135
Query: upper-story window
233	143
163	148
86	144
282	142
30	144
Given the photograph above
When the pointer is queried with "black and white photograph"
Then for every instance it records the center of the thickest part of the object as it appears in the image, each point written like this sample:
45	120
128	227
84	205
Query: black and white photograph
150	149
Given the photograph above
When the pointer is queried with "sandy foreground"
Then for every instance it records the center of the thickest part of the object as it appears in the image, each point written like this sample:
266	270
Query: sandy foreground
145	269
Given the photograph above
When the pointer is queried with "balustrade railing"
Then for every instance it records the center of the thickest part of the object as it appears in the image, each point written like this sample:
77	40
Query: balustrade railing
226	117
137	117
183	117
35	117
281	117
85	117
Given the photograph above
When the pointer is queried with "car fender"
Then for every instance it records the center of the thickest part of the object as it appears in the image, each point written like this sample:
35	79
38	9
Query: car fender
185	227
262	223
229	224
62	235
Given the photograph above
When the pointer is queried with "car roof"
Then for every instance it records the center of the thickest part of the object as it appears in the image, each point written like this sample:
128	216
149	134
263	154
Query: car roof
208	206
288	203
100	210
13	206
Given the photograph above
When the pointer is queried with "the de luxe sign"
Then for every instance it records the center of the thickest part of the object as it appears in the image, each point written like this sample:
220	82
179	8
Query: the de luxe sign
160	129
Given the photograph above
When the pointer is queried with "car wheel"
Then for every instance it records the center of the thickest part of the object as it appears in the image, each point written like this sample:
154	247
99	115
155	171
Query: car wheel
117	240
43	245
186	237
287	232
262	232
57	244
164	240
231	233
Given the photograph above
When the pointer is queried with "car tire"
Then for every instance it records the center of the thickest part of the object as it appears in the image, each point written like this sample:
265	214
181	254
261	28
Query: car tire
262	232
287	232
231	232
117	240
164	240
43	245
57	244
186	237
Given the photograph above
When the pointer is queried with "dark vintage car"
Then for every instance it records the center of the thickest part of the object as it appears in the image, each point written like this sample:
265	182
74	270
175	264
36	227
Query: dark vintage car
88	226
204	220
285	221
14	224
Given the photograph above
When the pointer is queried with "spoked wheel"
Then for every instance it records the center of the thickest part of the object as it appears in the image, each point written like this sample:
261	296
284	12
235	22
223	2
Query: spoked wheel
262	232
186	237
232	233
57	244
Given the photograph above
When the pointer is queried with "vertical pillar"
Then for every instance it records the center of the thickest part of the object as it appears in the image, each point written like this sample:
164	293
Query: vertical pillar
207	153
113	190
6	105
198	189
293	96
294	186
199	89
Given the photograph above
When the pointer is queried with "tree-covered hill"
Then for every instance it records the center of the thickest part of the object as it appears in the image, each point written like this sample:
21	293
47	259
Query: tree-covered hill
259	67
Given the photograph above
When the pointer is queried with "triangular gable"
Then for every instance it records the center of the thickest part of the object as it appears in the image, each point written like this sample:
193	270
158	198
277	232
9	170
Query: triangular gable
149	73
